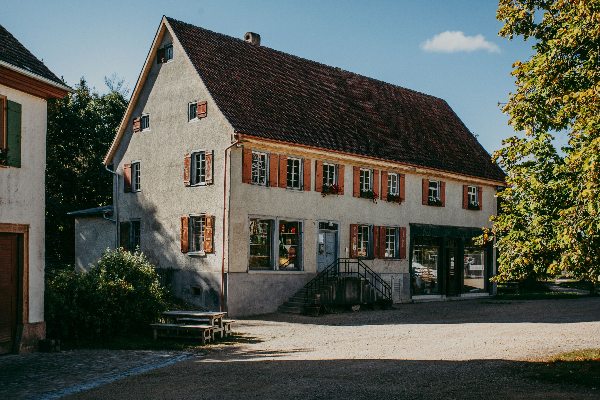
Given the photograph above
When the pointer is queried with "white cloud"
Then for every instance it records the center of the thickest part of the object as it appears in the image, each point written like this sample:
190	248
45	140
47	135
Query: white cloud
455	41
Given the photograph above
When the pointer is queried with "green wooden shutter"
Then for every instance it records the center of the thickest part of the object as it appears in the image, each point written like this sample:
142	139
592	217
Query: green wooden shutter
13	135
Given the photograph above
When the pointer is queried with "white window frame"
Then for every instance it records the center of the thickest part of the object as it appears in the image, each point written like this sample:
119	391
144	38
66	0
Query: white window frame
196	180
193	250
366	179
145	117
472	195
168	46
133	234
194	105
275	221
395	234
255	173
136	176
331	169
296	184
393	184
361	241
434	192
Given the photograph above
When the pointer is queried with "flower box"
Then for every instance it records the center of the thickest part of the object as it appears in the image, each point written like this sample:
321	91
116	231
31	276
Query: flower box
329	189
474	206
369	194
434	201
394	198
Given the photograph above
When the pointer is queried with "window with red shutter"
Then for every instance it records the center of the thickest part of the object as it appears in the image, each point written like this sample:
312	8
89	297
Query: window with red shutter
209	167
273	164
376	242
246	166
480	197
201	110
443	193
186	169
2	123
282	171
384	185
402	246
465	202
353	241
425	192
137	123
402	191
208	233
319	176
184	234
127	178
307	175
356	183
340	178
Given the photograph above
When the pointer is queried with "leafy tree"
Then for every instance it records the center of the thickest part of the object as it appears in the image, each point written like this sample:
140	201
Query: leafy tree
81	127
550	216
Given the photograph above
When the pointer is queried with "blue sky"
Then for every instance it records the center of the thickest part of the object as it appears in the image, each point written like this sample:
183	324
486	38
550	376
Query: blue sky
415	44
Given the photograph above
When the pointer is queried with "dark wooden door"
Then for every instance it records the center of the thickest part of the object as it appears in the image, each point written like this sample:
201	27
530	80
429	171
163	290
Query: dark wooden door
452	278
8	291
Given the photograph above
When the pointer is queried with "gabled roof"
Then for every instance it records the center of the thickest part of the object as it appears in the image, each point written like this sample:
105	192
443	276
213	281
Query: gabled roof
13	53
273	95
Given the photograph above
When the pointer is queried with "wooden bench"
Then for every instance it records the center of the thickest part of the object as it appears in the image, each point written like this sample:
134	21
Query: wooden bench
227	326
225	331
204	332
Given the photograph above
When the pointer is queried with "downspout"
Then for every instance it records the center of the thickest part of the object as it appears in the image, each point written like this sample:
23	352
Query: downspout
237	141
116	208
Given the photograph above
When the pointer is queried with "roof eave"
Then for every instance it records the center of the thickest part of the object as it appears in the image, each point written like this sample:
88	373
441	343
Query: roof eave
37	77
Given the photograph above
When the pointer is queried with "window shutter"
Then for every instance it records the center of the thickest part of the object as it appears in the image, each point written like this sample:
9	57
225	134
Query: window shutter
307	174
124	228
376	242
318	176
282	171
376	182
184	234
208	159
2	123
382	241
340	171
127	178
384	185
425	191
480	197
201	107
209	223
246	166
356	183
353	241
13	134
402	191
187	161
402	238
137	123
443	193
160	56
273	159
465	197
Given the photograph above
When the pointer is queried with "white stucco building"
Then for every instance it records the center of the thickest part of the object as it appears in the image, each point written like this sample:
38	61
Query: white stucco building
25	86
247	171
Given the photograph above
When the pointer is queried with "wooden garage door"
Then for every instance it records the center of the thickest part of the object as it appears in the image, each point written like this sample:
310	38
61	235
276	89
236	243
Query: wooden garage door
8	291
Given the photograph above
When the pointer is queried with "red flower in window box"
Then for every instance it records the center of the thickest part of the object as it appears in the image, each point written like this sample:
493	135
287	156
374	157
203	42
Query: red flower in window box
394	198
369	194
330	189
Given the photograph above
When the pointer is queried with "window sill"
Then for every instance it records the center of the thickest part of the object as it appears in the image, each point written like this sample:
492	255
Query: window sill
273	272
196	253
199	184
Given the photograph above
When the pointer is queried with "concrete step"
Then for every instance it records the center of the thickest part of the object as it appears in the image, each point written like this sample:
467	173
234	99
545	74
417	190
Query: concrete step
292	310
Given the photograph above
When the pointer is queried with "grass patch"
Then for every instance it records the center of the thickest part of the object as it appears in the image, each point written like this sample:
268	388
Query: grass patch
580	367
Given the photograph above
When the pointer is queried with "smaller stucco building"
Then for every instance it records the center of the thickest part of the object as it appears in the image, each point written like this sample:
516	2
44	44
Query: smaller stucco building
25	86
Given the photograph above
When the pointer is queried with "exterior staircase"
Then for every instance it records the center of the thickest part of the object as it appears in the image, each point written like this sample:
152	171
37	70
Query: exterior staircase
346	281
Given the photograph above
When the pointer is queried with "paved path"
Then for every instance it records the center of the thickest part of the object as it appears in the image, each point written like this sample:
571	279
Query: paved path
459	349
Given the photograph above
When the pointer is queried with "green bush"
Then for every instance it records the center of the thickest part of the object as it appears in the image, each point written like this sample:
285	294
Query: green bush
119	296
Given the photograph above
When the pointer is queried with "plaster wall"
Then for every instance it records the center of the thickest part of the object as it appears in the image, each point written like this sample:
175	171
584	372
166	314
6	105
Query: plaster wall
22	191
164	198
93	235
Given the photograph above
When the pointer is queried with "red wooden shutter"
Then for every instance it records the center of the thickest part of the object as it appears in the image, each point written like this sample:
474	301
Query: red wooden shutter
282	171
307	174
340	172
9	272
201	107
273	159
382	231
124	228
208	159
318	176
480	197
465	197
184	234
353	240
2	123
376	242
402	237
356	183
246	166
425	191
187	161
443	193
384	185
376	182
402	191
137	123
209	223
160	56
127	178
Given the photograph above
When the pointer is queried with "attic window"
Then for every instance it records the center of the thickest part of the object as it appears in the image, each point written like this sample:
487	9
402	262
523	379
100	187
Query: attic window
168	52
164	54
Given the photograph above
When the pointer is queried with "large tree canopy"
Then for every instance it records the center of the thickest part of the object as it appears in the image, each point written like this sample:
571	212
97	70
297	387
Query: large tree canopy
550	214
81	127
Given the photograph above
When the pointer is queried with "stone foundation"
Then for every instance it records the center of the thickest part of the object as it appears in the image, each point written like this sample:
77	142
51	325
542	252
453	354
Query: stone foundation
28	337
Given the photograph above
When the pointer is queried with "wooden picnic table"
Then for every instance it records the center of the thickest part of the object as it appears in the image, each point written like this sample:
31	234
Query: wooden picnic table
212	318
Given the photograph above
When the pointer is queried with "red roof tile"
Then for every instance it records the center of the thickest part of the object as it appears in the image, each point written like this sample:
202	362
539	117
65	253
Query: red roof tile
274	95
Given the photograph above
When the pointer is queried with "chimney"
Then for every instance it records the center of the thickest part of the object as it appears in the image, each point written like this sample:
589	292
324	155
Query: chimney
252	38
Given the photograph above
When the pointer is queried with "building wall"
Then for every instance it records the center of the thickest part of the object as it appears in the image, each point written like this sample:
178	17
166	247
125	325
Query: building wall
164	198
93	235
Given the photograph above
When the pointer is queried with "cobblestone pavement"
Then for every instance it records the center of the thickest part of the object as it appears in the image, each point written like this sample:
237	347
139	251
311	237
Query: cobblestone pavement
54	375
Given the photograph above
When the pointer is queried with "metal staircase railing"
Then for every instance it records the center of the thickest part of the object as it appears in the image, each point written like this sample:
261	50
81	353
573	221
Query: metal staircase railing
347	267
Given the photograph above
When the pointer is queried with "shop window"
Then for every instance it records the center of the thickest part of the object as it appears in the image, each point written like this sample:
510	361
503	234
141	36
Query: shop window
289	245
294	172
280	251
474	268
425	257
261	239
259	168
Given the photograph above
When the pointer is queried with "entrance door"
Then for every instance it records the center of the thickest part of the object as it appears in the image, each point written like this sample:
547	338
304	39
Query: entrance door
452	277
326	249
8	291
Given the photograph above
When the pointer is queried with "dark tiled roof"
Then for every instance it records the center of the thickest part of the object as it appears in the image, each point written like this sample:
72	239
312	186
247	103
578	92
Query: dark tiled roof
274	95
13	52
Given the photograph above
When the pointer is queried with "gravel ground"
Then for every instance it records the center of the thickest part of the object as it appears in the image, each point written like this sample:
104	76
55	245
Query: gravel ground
444	350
